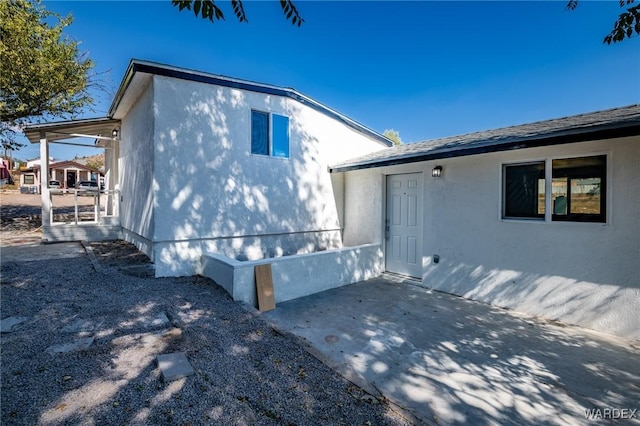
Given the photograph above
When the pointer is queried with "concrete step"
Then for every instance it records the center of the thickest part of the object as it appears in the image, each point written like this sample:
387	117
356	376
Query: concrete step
81	232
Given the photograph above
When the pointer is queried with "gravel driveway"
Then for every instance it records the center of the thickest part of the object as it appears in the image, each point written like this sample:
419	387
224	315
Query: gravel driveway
245	371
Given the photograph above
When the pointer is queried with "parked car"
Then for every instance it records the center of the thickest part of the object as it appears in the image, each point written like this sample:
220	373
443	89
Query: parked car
87	187
54	186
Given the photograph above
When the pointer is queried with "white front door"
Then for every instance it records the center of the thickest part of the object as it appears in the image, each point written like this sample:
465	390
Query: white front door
403	224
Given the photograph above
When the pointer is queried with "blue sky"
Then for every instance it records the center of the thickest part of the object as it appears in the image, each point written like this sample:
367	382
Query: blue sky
425	69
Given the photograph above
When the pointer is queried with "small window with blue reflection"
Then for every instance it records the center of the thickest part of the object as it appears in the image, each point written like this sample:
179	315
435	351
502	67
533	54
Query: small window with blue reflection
259	133
280	140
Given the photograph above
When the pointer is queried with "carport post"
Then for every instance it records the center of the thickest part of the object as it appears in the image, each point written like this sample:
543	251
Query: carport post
44	180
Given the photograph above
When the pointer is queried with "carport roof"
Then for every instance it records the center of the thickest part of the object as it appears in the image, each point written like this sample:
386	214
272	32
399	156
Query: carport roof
607	124
90	127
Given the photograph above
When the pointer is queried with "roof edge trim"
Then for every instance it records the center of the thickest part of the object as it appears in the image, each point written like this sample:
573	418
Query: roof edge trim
32	131
548	140
153	68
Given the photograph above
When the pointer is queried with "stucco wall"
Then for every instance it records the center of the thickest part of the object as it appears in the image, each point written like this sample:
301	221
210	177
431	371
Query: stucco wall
581	273
135	169
364	205
211	193
296	276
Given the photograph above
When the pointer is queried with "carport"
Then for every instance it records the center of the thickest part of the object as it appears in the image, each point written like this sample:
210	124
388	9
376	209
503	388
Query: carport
104	133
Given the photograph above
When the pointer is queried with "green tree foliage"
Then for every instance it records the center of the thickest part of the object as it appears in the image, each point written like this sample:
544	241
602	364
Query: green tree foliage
42	74
627	24
208	9
392	135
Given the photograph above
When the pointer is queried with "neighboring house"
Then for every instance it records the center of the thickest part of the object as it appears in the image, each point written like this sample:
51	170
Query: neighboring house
36	162
5	172
541	218
214	175
65	172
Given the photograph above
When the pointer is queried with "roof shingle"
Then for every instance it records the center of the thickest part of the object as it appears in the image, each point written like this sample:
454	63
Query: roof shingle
617	122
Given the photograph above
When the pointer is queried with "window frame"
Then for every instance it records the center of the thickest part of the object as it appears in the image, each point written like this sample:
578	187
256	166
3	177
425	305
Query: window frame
538	217
268	144
31	177
582	217
549	217
270	136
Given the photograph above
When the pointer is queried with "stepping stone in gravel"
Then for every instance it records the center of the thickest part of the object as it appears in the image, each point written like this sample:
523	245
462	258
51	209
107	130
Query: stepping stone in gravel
7	324
82	326
78	345
174	366
160	321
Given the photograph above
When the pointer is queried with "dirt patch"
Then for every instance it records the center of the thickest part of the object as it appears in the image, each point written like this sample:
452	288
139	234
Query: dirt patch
19	224
23	212
9	200
118	254
20	220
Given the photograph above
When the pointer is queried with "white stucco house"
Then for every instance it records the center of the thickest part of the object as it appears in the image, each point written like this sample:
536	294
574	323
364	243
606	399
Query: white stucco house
198	163
214	175
542	218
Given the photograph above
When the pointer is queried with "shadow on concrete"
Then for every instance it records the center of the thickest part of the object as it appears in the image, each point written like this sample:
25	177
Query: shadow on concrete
450	360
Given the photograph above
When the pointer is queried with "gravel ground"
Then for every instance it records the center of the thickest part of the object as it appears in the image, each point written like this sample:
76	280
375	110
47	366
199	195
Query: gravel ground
245	371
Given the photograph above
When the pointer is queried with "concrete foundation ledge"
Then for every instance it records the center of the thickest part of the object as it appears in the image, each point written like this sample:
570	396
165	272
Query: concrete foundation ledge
296	275
82	232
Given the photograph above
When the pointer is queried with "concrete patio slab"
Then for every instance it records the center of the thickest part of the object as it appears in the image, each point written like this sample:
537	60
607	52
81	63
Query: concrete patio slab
174	366
29	253
7	239
448	360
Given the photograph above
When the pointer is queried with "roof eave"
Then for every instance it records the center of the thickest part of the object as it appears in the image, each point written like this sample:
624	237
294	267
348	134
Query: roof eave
33	132
138	66
124	84
558	138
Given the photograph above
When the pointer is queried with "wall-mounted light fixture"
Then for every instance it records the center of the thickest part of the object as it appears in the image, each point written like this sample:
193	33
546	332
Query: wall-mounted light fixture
114	133
437	171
